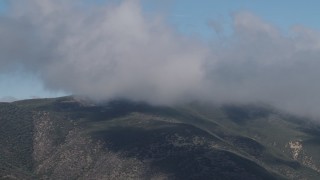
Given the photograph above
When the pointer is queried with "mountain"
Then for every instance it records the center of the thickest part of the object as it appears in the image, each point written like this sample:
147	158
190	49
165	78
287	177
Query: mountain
74	138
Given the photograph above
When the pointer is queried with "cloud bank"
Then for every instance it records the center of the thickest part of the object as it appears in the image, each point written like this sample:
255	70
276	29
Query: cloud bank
117	51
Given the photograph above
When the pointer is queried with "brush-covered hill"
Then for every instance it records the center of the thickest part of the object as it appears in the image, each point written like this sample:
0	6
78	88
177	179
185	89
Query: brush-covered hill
72	138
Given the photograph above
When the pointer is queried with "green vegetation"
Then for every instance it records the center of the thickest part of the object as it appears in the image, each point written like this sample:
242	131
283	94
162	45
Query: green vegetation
16	134
71	136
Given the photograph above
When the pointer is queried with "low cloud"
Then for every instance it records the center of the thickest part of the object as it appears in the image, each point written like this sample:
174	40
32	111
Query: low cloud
114	51
104	52
260	63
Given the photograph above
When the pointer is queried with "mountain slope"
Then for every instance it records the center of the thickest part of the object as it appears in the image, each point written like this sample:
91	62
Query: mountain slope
72	138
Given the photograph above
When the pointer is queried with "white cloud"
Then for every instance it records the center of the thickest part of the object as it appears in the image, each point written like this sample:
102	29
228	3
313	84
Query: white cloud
115	51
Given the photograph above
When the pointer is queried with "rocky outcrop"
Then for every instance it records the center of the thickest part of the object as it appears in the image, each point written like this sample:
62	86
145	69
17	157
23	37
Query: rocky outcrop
298	154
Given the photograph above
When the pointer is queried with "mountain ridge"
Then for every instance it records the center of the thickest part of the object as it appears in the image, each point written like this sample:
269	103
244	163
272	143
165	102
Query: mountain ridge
69	137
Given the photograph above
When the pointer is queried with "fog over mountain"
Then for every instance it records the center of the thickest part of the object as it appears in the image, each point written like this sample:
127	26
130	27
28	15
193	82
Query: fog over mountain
116	50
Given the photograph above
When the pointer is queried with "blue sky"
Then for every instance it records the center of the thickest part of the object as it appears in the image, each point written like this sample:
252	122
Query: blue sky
22	86
190	17
2	5
193	16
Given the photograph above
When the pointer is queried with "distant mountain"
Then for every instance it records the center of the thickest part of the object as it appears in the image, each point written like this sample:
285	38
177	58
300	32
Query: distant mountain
72	138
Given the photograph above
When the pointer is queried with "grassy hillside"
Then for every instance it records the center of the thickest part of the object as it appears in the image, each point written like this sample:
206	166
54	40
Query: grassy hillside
72	138
16	144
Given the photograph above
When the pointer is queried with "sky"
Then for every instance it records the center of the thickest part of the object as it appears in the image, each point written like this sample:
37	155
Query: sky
163	52
193	16
187	16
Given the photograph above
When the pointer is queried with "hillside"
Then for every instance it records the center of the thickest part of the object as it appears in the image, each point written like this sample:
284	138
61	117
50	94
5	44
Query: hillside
73	138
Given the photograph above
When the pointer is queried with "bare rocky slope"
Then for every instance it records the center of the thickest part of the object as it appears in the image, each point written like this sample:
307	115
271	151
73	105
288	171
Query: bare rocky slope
72	138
